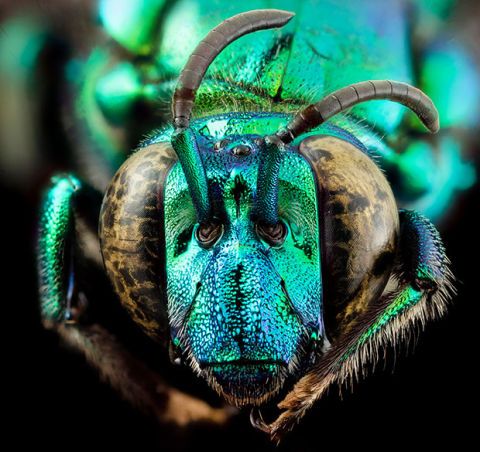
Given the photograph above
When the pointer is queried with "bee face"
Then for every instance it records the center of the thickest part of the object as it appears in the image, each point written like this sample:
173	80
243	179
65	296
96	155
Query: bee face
244	299
246	304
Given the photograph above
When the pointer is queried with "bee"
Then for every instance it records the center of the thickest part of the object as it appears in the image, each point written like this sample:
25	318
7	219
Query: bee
255	238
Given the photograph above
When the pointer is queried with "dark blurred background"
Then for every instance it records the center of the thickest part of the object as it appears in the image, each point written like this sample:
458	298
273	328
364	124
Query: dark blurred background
423	396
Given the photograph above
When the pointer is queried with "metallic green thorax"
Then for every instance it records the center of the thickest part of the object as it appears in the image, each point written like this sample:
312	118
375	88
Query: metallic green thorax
242	299
330	44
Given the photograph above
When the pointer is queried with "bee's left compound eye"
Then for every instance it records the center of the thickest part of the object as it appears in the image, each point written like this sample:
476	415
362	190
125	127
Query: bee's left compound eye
274	234
208	233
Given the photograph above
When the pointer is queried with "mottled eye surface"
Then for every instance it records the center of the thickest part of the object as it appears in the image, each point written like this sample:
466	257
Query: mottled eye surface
360	220
132	239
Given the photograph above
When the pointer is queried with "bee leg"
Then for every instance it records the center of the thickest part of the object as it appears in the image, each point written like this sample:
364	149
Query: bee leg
419	289
72	281
136	382
67	246
423	263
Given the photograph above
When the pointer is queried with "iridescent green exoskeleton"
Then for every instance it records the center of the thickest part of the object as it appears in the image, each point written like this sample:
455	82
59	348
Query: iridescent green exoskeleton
263	248
120	80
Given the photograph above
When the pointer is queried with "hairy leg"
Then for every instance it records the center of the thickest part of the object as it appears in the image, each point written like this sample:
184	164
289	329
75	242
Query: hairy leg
422	284
67	246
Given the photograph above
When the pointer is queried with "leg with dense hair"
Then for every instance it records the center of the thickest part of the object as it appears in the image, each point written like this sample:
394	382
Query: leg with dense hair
421	285
74	303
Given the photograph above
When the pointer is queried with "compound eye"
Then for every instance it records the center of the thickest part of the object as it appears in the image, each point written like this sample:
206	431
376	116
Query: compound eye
274	234
208	233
